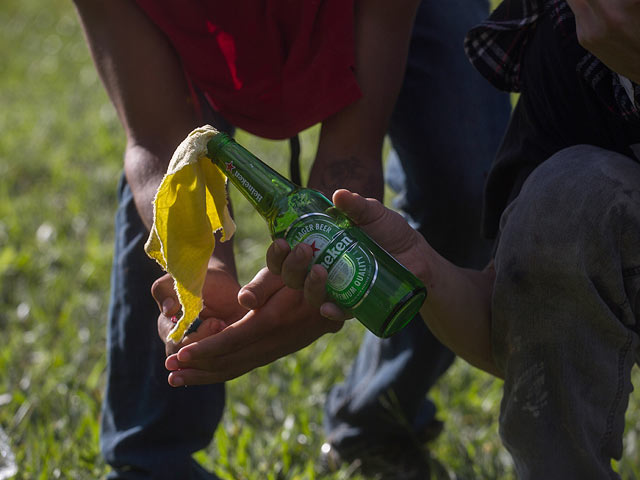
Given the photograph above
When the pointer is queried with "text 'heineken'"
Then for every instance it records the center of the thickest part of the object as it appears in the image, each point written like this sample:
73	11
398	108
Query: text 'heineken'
363	278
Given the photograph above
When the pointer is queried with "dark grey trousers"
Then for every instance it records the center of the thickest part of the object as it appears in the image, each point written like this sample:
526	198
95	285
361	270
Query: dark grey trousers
565	313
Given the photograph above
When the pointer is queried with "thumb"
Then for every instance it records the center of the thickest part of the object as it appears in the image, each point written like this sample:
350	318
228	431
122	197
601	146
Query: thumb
165	295
256	293
362	211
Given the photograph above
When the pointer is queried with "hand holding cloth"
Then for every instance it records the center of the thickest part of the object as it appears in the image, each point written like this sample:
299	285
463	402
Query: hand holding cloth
190	206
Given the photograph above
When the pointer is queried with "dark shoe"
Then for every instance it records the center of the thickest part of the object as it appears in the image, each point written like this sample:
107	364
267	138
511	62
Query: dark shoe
395	460
194	472
392	461
431	431
382	463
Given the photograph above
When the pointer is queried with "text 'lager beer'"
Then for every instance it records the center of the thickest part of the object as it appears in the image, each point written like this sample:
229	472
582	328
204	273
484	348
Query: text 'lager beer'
363	279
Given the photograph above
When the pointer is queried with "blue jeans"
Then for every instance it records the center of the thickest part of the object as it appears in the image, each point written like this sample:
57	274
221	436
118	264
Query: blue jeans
149	429
445	130
566	313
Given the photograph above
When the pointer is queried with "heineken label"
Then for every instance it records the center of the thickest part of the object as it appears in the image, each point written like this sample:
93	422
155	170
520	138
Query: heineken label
351	266
231	170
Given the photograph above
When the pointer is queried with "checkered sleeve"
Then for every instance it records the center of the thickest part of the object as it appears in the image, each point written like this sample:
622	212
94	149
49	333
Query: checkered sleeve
495	47
626	97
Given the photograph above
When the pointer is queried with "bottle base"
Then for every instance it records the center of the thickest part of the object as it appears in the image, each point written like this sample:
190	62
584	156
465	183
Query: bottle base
404	311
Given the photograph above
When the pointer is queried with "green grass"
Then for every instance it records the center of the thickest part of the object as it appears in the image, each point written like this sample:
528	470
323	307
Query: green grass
60	157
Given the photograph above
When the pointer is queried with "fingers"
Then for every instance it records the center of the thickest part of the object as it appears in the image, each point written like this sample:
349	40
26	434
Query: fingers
164	327
233	338
361	210
206	328
276	253
165	295
220	369
388	228
226	365
292	265
256	293
194	376
315	290
296	266
191	376
332	312
285	324
236	350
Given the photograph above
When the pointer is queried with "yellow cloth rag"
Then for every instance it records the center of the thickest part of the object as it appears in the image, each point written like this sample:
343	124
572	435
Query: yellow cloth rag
189	207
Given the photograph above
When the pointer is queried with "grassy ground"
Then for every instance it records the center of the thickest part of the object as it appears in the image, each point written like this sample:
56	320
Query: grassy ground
60	157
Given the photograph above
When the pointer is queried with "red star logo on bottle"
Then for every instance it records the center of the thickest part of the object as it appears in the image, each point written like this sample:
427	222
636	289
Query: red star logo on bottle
314	248
229	166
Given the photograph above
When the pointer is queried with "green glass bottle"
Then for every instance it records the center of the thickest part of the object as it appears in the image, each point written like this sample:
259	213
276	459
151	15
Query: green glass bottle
362	277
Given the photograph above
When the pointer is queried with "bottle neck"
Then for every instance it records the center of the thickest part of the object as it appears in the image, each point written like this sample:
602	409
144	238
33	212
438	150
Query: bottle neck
259	183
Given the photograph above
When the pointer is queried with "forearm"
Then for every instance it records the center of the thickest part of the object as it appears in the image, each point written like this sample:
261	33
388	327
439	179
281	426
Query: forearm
458	309
350	147
144	170
355	171
145	82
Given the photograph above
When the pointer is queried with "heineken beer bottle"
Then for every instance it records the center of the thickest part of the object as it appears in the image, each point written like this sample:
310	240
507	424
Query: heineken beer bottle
363	279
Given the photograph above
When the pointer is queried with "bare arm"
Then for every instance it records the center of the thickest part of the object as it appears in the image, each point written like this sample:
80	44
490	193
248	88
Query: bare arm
458	310
144	79
350	148
610	29
458	305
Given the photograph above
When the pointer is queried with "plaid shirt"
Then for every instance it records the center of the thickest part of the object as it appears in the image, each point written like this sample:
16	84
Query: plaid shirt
495	48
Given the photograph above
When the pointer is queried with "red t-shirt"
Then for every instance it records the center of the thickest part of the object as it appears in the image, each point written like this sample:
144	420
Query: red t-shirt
271	67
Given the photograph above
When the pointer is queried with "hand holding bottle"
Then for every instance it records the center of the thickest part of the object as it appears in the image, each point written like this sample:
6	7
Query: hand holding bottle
362	277
385	226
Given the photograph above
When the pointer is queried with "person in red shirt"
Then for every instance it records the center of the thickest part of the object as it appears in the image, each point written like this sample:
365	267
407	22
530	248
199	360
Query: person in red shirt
272	68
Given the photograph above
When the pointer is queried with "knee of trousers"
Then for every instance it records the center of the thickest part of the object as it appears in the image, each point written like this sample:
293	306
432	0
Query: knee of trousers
564	303
573	232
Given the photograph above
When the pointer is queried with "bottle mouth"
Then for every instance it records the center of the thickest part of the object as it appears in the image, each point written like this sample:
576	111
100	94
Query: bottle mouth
218	141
